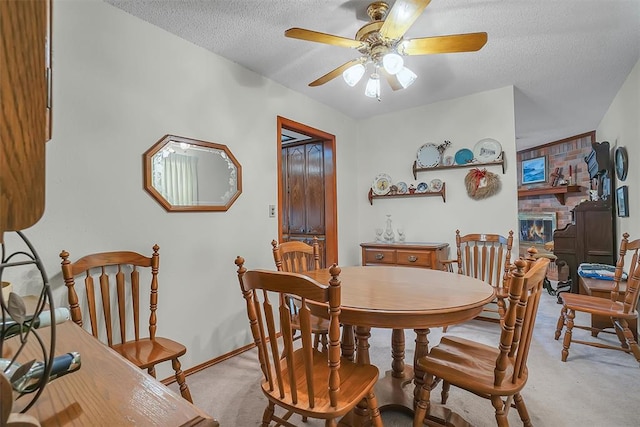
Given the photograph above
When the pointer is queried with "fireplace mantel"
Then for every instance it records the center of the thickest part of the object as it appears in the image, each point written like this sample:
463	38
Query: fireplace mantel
558	191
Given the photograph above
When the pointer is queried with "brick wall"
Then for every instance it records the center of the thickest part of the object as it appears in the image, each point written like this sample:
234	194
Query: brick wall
560	154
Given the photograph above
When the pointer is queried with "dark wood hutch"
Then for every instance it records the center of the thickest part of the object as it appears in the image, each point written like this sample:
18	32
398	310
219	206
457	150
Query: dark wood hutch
591	236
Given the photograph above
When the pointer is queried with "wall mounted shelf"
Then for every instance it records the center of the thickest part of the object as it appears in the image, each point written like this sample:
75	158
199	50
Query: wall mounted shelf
558	191
416	194
417	169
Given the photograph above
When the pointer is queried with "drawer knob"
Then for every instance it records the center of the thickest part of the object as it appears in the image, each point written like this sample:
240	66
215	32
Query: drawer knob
412	258
379	256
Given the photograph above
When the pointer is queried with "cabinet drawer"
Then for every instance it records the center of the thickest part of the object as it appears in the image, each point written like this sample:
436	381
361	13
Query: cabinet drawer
414	258
380	256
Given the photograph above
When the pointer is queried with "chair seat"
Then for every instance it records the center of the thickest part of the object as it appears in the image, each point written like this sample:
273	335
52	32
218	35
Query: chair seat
146	353
469	365
318	324
595	305
355	382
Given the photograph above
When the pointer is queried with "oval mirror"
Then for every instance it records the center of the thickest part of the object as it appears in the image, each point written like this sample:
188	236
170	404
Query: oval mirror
185	174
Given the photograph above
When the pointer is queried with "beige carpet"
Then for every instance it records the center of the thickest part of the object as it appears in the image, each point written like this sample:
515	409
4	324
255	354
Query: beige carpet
595	387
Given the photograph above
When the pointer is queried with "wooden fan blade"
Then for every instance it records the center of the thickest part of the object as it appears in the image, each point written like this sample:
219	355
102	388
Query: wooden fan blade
335	73
402	16
444	44
315	36
391	79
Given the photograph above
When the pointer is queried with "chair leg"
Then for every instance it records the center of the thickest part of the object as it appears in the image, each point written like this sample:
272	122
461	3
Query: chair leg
619	330
567	335
501	416
374	411
331	423
268	414
560	324
630	340
445	391
184	388
502	308
151	370
522	410
424	405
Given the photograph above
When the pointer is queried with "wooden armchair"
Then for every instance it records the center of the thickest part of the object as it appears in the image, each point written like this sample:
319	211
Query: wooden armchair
486	257
303	380
620	312
498	373
298	257
119	291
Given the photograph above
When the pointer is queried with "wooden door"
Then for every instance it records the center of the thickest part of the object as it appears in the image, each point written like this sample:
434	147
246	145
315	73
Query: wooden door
303	174
303	178
307	191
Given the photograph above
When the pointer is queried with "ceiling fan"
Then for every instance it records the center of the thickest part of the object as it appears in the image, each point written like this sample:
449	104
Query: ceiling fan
381	45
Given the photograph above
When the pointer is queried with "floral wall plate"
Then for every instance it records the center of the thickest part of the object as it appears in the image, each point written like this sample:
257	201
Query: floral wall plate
381	184
435	185
402	187
428	156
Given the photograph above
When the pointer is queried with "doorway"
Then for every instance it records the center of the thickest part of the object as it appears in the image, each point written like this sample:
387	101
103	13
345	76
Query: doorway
307	187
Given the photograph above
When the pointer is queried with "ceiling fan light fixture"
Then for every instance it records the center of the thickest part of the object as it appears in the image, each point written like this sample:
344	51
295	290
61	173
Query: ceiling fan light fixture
352	75
392	63
373	87
406	77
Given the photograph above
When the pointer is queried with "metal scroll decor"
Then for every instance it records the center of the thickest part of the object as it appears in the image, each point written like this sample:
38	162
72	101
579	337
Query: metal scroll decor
481	183
19	377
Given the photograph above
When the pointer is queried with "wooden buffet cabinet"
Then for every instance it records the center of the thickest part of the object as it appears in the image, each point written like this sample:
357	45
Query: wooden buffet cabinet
410	254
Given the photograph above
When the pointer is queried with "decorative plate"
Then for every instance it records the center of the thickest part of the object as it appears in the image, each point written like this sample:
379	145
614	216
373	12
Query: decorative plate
428	156
422	187
402	187
622	163
463	156
435	185
487	150
381	184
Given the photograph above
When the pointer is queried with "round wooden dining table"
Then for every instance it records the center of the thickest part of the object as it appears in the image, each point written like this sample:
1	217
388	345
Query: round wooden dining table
401	298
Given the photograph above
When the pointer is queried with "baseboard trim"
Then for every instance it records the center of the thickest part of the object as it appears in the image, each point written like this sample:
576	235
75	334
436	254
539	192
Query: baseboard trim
209	363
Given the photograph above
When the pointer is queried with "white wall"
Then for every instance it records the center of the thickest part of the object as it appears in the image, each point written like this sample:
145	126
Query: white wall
621	127
390	143
121	84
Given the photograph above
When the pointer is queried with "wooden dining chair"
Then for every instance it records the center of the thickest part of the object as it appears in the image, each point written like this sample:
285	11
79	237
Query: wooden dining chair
116	301
620	312
486	257
498	373
299	378
299	257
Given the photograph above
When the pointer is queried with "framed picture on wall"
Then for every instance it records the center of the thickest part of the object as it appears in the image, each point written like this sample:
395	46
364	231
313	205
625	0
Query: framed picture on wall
534	170
622	201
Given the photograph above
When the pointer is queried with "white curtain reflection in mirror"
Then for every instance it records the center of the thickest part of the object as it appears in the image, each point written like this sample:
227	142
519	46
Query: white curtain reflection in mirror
180	179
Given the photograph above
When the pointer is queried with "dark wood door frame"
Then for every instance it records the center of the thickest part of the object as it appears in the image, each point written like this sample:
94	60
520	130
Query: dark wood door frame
330	188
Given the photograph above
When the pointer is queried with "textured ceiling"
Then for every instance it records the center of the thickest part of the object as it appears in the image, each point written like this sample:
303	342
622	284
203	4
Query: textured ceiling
566	59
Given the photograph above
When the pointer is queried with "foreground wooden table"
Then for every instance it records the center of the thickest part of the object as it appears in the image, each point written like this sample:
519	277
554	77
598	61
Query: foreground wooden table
401	298
106	391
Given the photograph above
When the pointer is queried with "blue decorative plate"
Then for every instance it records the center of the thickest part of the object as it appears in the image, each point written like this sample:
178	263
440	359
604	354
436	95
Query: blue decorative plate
463	156
422	187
